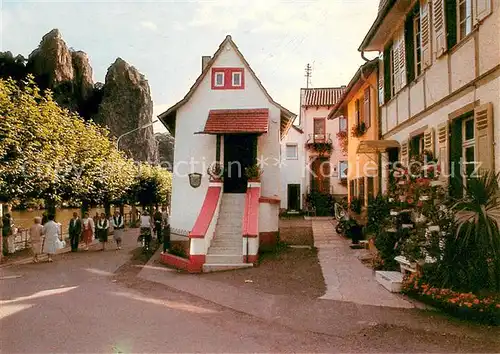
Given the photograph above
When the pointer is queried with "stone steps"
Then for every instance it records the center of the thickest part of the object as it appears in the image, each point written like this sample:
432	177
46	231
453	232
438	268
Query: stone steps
224	258
207	267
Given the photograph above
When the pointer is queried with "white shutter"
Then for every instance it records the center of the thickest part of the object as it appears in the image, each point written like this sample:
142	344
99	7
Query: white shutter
402	59
483	116
443	132
429	140
439	24
395	66
425	33
404	153
481	9
381	90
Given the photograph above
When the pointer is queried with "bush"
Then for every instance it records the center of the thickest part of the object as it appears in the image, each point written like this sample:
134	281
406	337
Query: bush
355	205
178	250
378	213
323	203
253	172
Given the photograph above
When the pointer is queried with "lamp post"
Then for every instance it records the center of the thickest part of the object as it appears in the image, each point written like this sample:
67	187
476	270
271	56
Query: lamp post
134	130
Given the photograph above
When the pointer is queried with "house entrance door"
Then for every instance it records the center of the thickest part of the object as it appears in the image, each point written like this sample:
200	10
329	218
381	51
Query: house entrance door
294	197
240	152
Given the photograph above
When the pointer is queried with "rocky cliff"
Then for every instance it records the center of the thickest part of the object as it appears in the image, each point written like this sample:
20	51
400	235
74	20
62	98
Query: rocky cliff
165	143
123	103
127	105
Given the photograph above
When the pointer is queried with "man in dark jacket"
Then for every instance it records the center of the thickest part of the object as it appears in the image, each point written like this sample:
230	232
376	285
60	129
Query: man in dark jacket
75	230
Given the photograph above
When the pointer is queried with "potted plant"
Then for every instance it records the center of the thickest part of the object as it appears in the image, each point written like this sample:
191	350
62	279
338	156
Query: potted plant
216	172
253	173
358	130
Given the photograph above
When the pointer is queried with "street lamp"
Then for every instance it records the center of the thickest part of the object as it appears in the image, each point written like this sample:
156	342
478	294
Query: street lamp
133	130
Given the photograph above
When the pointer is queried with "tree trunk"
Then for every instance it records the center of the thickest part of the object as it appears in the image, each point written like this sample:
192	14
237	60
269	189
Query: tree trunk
122	209
107	208
50	205
85	207
134	215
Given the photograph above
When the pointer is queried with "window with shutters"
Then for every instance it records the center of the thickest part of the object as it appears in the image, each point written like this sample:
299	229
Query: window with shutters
417	145
367	110
394	69
358	112
417	33
464	18
468	149
361	190
342	124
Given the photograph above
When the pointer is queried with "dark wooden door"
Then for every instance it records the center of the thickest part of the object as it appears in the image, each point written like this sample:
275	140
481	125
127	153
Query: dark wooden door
240	151
294	197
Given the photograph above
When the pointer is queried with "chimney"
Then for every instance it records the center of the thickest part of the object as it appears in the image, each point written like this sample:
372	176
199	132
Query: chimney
204	61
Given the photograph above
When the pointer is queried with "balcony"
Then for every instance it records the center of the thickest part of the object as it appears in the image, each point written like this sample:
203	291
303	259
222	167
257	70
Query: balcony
320	143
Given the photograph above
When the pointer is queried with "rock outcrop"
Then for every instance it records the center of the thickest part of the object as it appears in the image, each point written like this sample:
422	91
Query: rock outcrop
82	79
165	143
67	73
52	60
127	105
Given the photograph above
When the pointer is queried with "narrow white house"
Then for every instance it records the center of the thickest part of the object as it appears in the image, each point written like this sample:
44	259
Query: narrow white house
226	119
293	170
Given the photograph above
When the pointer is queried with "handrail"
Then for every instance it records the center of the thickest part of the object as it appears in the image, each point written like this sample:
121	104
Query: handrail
251	214
207	212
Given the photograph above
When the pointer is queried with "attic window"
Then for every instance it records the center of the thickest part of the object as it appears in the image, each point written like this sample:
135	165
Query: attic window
236	79
219	79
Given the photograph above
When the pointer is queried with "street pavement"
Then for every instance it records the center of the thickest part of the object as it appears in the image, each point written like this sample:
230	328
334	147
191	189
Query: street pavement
95	302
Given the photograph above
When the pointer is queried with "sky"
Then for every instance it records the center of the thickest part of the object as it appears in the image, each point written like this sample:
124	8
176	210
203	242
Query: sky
165	40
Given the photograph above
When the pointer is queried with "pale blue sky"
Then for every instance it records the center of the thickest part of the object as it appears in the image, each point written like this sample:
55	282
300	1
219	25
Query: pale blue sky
166	39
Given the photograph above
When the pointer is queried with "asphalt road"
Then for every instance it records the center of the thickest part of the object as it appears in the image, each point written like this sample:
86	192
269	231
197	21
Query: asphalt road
92	302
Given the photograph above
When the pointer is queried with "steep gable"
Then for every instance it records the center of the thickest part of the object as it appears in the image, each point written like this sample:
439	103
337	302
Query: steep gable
168	117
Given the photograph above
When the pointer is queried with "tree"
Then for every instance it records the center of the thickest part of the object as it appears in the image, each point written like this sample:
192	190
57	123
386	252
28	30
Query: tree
47	152
152	185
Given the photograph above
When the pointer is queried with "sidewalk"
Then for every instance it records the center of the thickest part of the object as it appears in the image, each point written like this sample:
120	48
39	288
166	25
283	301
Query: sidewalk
346	278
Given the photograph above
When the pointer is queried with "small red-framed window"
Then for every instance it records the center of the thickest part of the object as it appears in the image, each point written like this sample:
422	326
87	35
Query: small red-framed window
228	79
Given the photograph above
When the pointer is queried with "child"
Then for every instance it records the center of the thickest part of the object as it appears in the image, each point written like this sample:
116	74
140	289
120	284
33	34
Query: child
36	238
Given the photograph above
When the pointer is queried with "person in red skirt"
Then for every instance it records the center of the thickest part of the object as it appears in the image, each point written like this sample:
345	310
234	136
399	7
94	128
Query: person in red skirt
88	230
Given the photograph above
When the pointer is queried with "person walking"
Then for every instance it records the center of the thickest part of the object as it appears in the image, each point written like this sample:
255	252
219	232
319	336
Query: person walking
88	230
146	226
158	222
6	232
51	232
102	230
118	226
166	229
36	238
75	230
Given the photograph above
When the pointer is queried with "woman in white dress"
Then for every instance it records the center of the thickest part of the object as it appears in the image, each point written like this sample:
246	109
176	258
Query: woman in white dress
51	232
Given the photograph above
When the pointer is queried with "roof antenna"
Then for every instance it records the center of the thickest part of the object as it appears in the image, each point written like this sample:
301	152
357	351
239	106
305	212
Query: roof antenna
308	75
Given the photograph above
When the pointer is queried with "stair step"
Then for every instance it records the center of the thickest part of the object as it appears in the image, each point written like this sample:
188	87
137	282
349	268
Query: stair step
392	281
224	251
224	258
219	267
234	244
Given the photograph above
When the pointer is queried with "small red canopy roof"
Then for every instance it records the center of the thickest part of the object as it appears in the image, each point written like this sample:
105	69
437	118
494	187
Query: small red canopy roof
227	121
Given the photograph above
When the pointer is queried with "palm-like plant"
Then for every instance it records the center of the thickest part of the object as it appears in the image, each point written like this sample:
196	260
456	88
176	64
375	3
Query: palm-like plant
477	235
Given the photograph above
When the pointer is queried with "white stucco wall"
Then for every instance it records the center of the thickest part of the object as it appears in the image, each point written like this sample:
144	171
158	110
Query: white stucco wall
191	118
268	217
292	170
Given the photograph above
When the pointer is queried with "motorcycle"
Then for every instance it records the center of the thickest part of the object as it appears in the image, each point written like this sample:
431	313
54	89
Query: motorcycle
347	226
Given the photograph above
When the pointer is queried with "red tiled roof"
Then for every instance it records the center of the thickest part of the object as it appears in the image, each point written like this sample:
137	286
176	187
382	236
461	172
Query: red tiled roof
224	121
322	96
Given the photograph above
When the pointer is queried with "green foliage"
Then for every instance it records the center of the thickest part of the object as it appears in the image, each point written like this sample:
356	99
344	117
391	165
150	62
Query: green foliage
358	130
178	250
386	243
355	205
378	213
323	202
49	153
476	243
321	148
151	186
253	172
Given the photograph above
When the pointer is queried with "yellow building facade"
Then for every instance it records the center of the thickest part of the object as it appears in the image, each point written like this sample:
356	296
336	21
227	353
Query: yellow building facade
359	106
